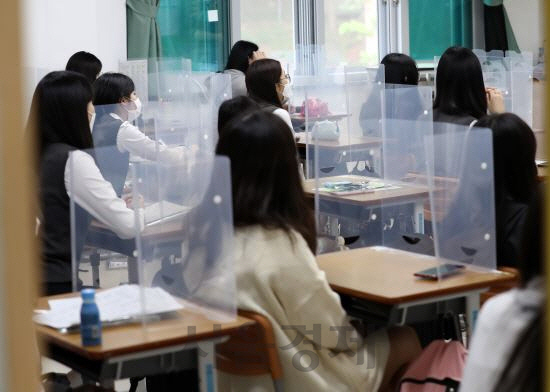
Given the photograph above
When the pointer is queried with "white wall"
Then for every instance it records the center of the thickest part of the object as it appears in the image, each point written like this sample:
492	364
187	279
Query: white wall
55	29
526	17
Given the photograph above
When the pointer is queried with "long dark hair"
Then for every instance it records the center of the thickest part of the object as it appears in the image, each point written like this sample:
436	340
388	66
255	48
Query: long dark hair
459	84
261	78
514	148
59	110
240	53
400	69
85	63
267	189
235	107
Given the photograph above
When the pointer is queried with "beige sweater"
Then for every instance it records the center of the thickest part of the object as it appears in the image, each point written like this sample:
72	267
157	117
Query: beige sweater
279	277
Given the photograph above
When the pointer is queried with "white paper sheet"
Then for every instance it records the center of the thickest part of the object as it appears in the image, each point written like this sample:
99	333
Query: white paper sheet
119	303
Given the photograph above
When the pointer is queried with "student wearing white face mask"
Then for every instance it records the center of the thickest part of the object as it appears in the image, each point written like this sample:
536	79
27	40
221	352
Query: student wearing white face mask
117	105
269	86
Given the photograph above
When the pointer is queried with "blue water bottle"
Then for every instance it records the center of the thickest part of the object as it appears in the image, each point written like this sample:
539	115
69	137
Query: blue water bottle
90	323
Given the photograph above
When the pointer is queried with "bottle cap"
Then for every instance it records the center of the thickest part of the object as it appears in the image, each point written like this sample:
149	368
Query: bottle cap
88	294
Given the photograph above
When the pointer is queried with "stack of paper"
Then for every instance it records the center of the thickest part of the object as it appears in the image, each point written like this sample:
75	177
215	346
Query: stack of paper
125	302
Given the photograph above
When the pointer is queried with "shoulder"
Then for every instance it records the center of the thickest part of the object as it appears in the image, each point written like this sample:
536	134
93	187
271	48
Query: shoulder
267	244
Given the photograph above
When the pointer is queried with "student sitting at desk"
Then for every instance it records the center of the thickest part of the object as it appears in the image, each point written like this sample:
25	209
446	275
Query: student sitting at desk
242	54
85	63
277	274
460	93
61	112
117	105
268	85
515	174
399	71
506	350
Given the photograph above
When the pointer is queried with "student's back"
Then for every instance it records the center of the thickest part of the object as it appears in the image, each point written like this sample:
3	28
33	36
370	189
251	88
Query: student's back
277	274
515	174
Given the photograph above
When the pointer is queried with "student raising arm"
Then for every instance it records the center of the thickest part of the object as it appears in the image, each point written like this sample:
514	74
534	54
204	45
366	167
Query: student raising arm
60	112
117	105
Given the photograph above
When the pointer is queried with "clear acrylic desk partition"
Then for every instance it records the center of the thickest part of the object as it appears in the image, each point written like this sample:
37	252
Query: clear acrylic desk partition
325	111
357	207
112	119
180	240
190	117
462	195
103	243
513	76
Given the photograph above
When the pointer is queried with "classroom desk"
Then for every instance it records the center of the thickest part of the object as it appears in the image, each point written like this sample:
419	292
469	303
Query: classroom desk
406	193
100	236
127	351
353	142
380	281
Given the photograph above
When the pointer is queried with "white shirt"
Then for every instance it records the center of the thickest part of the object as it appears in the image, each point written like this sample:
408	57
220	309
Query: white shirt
500	323
277	276
131	139
97	196
283	114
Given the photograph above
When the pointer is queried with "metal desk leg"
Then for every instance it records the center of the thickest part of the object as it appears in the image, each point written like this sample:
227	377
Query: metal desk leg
419	216
472	309
207	367
132	270
94	262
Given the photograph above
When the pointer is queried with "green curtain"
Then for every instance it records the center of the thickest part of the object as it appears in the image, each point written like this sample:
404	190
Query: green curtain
510	38
143	36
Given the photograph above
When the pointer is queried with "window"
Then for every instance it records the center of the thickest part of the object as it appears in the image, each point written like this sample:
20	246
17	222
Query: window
197	30
350	32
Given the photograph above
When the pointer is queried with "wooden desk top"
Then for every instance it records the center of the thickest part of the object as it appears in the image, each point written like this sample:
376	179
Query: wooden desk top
342	142
385	275
405	192
190	326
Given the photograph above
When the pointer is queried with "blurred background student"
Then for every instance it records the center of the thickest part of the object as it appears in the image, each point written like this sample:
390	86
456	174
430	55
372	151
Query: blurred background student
460	93
268	85
85	63
515	173
399	70
61	110
242	54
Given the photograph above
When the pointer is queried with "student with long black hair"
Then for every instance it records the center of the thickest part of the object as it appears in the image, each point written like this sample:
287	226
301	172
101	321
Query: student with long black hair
117	105
515	174
460	93
85	63
61	112
277	275
242	54
267	84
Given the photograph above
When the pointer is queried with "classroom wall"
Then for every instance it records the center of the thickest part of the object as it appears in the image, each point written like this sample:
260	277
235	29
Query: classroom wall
55	29
526	18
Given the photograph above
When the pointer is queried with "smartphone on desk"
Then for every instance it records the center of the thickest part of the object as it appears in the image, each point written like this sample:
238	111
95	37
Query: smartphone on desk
444	271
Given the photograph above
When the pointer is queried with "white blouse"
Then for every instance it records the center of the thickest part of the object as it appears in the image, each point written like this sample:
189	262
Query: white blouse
97	196
131	139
